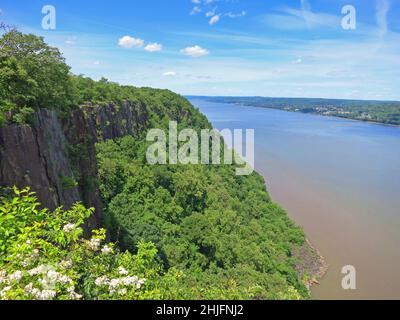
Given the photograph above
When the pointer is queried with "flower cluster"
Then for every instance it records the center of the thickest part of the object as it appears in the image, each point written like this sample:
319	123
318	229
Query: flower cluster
119	285
106	249
52	277
50	259
69	227
14	277
46	294
94	244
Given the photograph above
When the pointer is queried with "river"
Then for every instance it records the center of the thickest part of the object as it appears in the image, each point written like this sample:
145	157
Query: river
340	180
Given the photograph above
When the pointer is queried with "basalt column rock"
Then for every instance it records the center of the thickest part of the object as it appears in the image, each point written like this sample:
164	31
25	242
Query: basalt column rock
57	158
36	156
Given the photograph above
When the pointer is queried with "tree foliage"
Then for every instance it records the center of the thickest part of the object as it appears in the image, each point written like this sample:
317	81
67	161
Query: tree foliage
32	75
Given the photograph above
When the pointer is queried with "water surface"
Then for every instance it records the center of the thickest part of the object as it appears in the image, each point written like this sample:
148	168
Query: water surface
340	180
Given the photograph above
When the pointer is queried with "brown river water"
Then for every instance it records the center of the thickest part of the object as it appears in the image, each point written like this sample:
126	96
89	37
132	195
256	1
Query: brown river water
338	179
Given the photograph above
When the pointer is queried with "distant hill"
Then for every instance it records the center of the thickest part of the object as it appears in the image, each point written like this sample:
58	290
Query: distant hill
387	112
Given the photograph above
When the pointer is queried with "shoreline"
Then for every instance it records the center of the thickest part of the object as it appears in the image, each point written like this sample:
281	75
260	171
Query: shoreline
310	265
315	114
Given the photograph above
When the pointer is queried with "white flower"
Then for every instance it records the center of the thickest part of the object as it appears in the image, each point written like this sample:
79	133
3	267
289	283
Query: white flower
28	241
35	292
72	294
3	277
140	283
75	296
28	288
66	264
16	276
101	281
4	291
122	291
114	283
25	263
68	227
63	279
35	254
52	275
94	244
47	294
106	250
38	270
128	281
122	271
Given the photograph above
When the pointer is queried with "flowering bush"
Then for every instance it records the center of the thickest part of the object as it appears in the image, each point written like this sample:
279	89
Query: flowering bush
43	255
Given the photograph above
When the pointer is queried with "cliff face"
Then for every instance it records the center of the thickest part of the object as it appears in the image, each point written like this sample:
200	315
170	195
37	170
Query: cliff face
53	154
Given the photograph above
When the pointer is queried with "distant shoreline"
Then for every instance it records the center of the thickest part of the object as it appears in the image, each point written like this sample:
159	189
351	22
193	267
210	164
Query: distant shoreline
318	114
313	113
368	108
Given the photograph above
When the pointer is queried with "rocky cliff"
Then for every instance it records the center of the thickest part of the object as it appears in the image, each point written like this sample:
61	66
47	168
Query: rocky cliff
57	157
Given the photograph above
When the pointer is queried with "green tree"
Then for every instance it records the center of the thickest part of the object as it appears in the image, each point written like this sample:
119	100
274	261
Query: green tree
32	75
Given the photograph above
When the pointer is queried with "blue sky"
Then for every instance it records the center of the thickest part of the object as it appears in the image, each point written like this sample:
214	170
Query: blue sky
290	48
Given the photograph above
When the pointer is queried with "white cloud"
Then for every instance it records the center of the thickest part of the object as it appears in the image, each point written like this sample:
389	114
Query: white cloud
153	47
195	10
169	74
71	41
382	8
236	15
196	1
214	19
210	13
195	51
96	63
129	42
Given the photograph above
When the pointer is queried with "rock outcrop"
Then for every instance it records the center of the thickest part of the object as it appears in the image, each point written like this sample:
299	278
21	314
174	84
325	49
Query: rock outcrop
57	158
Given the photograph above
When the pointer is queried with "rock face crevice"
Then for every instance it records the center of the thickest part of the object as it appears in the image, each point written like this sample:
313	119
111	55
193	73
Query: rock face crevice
52	154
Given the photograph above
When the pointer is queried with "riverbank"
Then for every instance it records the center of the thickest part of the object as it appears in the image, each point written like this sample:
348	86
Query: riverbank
310	264
337	116
339	180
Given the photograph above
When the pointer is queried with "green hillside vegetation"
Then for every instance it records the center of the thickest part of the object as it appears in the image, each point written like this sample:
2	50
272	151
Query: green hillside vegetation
192	232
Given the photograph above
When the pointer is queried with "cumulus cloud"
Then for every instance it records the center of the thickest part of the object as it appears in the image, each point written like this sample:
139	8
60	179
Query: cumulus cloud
195	51
214	19
169	74
129	42
195	10
153	47
211	13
